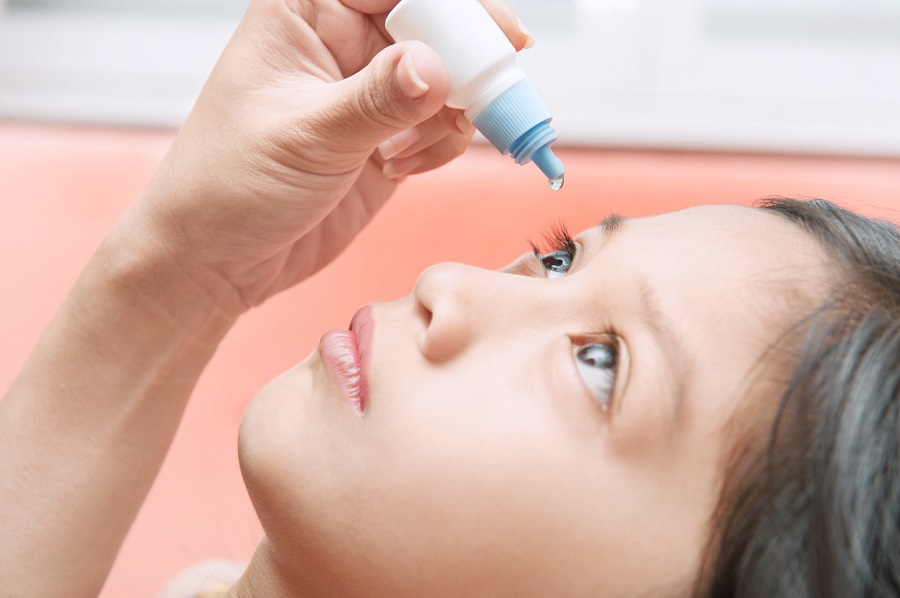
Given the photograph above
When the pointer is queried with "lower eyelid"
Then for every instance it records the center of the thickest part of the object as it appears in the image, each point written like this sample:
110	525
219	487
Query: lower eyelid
623	375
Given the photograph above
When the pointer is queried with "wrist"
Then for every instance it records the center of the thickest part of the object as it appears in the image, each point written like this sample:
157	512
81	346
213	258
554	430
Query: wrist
142	269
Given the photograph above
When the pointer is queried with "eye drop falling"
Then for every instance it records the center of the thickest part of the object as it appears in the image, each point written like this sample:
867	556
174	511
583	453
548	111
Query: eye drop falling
484	79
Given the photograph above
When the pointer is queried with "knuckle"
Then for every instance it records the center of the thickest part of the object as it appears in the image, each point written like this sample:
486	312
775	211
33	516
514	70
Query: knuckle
378	105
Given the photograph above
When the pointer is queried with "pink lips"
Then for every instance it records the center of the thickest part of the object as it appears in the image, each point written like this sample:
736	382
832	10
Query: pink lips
345	353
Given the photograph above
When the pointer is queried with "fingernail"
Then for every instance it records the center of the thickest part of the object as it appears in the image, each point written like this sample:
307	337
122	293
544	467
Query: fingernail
411	84
529	39
394	169
398	143
462	123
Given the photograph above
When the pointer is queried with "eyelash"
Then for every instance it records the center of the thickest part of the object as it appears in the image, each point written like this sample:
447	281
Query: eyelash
559	238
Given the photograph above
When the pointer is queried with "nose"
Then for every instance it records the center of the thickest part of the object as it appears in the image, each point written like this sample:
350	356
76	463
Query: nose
460	304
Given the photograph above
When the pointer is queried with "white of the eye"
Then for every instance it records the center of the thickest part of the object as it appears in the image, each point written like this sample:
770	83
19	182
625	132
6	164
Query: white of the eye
599	378
555	274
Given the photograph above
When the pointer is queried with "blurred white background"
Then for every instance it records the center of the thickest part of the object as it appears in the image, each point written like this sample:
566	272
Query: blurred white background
808	76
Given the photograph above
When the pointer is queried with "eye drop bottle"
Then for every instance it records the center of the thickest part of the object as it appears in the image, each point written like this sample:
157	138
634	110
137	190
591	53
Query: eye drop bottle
484	80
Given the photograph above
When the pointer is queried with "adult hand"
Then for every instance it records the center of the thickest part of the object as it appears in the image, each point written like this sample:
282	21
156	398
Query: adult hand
276	169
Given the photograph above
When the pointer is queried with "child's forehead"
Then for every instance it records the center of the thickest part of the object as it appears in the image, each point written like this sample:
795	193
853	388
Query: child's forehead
726	270
722	217
715	227
714	234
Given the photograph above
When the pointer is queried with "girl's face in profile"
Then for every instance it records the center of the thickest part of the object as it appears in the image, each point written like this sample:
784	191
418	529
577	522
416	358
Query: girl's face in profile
554	428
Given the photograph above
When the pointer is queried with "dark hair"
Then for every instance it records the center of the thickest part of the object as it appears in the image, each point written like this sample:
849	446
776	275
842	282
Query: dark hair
811	506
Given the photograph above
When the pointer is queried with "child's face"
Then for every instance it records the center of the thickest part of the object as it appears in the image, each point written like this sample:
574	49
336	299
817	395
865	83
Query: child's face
526	436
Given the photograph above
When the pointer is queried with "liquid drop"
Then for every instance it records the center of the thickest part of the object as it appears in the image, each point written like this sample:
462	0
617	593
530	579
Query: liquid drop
557	184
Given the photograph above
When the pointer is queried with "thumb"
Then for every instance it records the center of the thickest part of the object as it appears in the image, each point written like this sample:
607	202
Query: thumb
405	84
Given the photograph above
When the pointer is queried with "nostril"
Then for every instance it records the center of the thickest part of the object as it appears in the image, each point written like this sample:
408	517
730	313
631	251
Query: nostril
430	288
423	312
443	301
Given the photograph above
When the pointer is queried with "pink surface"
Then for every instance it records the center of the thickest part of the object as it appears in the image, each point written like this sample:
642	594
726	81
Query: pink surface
63	188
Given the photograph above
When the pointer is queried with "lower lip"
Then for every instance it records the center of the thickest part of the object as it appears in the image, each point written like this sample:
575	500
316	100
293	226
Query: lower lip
340	351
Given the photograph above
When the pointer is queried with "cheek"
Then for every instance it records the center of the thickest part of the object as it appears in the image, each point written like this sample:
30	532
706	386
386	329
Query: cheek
481	469
463	415
467	460
264	447
291	437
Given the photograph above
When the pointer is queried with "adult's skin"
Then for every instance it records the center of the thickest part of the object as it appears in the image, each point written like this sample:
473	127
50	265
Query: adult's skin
273	174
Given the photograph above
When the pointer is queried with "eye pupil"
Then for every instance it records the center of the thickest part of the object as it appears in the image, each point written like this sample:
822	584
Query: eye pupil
553	263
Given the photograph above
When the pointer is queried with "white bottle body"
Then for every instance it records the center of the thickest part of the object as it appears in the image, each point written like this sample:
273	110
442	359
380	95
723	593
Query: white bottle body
484	79
481	61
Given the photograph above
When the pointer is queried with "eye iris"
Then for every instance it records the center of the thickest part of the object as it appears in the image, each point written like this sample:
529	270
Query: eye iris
558	261
598	355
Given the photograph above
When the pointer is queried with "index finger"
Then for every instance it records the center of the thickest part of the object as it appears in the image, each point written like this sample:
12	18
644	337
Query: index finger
500	11
504	16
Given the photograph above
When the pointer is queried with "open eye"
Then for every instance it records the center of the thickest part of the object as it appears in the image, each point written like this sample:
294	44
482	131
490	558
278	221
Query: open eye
557	263
598	363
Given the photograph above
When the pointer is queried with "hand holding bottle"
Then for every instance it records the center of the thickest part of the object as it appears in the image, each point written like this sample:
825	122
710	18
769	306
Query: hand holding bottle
276	169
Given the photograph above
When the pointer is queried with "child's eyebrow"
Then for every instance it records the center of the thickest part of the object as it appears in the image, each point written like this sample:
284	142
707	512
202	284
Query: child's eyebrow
612	225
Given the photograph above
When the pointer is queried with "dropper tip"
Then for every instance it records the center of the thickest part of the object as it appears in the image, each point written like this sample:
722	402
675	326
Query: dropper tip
551	166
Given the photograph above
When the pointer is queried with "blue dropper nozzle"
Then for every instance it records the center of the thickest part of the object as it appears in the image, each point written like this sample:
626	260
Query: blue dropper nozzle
549	164
518	123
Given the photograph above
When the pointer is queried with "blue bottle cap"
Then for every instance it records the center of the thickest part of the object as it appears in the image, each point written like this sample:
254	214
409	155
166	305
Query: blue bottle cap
518	123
